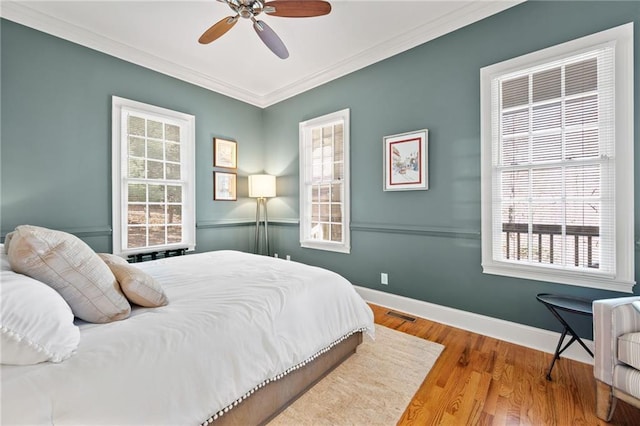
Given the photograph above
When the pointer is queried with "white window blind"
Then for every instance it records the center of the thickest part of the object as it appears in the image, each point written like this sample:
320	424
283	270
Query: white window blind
153	179
324	182
557	163
554	165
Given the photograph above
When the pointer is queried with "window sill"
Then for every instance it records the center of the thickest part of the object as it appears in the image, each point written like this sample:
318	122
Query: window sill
338	248
560	276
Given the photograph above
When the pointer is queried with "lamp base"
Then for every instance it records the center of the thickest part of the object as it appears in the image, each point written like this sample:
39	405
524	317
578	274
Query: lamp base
261	219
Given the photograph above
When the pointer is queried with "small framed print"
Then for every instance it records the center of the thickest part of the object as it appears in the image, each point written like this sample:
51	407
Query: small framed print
405	161
224	186
225	153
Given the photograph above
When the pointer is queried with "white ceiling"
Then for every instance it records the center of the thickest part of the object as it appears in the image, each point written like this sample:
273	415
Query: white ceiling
162	35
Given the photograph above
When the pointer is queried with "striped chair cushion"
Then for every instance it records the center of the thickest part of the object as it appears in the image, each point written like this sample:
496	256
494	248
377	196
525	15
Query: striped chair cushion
629	349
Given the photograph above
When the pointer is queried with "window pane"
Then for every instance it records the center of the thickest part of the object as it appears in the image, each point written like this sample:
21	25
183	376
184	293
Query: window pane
172	151
546	183
315	211
336	233
515	122
582	144
336	192
174	234
155	150
156	214
156	170
135	125
338	142
547	116
136	147
154	129
324	193
174	214
137	192
515	184
172	133
156	193
174	194
581	77
157	235
515	92
515	151
338	171
516	213
324	212
136	214
547	148
583	213
336	212
136	168
582	111
316	231
315	194
136	236
583	181
173	171
547	85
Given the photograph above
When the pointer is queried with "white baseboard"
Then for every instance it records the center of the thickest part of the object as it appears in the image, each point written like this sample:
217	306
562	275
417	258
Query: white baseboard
524	335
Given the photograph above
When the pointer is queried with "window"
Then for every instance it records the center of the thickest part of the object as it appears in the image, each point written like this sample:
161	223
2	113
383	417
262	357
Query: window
557	163
153	178
324	182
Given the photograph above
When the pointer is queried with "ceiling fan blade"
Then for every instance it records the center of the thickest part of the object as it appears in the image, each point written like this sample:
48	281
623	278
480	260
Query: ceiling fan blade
297	8
271	39
218	29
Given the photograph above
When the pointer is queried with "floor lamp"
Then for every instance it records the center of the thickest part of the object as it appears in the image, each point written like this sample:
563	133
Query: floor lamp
262	187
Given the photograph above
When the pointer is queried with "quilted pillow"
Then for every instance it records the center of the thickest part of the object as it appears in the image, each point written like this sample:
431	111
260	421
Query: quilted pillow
36	323
139	287
70	267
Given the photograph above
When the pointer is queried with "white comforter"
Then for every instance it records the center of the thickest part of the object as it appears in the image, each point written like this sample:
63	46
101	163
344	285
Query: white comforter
234	320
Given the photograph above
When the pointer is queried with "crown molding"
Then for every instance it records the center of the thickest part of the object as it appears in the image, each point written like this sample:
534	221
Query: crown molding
21	13
466	14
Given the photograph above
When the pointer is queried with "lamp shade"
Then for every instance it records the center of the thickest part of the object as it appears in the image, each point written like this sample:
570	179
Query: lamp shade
262	186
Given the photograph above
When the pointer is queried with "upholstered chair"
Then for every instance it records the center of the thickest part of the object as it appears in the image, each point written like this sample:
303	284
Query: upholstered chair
616	326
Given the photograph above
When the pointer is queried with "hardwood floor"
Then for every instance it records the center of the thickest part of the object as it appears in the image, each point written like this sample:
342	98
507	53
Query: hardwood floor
479	380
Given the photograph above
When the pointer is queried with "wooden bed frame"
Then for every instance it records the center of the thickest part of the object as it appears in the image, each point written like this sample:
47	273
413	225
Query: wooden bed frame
268	401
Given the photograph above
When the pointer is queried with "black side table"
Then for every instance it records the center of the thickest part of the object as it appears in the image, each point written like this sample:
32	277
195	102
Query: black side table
576	305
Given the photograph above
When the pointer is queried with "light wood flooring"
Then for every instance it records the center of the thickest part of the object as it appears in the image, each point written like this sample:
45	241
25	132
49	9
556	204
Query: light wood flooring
479	380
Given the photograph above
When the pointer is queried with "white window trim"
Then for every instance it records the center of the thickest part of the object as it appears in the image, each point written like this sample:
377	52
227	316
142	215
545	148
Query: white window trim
623	280
305	132
118	164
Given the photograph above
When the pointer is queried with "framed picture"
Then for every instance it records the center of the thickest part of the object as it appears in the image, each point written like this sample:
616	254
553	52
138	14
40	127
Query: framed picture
225	153
405	161
224	186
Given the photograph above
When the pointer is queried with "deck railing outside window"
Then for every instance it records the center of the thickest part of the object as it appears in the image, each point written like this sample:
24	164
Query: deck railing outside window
582	244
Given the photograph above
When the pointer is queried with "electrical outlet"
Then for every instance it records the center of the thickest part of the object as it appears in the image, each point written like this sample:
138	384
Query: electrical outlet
384	278
288	257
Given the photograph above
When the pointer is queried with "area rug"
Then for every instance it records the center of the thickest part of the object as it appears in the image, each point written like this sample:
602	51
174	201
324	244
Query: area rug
372	387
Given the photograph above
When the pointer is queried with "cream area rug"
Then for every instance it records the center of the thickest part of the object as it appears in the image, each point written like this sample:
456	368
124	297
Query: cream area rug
372	387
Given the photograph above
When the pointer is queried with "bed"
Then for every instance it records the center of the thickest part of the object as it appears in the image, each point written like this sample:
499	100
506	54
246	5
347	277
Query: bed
241	337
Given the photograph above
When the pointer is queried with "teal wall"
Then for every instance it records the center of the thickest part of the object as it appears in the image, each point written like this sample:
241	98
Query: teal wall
56	152
56	138
428	241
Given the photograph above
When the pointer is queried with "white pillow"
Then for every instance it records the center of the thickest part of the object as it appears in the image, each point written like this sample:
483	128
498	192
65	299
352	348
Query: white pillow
72	268
4	260
36	323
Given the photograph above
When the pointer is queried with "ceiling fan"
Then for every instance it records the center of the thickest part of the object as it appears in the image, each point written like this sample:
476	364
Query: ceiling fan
249	9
